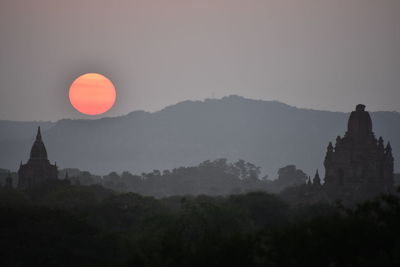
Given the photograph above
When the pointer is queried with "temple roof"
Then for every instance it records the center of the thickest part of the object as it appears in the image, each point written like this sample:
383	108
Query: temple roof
38	150
360	123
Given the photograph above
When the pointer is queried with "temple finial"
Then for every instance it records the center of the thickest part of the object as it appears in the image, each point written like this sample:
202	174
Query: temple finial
360	107
330	147
388	148
317	179
39	135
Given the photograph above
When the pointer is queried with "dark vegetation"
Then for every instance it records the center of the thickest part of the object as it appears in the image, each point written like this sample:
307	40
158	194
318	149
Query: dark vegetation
59	224
215	178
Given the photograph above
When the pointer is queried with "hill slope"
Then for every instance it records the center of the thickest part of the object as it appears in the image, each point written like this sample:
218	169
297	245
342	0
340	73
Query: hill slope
267	133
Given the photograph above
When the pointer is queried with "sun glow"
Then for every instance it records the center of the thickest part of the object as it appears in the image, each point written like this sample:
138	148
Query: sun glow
92	94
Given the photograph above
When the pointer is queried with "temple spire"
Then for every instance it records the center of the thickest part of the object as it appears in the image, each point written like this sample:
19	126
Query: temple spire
317	179
388	147
330	147
360	124
38	151
39	135
309	181
380	144
388	150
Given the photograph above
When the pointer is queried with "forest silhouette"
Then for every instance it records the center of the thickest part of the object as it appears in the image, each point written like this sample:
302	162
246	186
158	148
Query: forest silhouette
59	224
67	223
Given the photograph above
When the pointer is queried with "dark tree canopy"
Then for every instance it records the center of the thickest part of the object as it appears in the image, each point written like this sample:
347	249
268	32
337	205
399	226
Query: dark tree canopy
64	224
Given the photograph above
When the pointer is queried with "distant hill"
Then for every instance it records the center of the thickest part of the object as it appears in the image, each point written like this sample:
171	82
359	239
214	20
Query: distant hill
269	134
18	130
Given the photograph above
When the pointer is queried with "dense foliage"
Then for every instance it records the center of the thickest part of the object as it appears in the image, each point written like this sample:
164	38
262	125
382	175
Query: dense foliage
217	177
59	224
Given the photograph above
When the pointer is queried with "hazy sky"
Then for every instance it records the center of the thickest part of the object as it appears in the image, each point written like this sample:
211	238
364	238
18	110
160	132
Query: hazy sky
322	54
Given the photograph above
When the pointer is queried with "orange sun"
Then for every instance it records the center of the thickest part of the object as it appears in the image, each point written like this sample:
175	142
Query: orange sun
92	94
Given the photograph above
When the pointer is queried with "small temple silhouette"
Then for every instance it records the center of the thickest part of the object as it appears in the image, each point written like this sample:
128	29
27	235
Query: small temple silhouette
38	168
359	166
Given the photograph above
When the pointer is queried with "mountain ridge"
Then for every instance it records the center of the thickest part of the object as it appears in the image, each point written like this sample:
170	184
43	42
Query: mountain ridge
270	134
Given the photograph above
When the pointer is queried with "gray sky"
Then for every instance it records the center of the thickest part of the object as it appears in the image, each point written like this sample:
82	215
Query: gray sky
318	54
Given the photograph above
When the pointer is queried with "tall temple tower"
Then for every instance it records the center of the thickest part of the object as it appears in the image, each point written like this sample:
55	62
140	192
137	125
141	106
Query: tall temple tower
359	164
38	167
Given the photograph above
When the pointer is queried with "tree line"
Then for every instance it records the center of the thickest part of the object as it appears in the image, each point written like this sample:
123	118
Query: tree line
216	177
